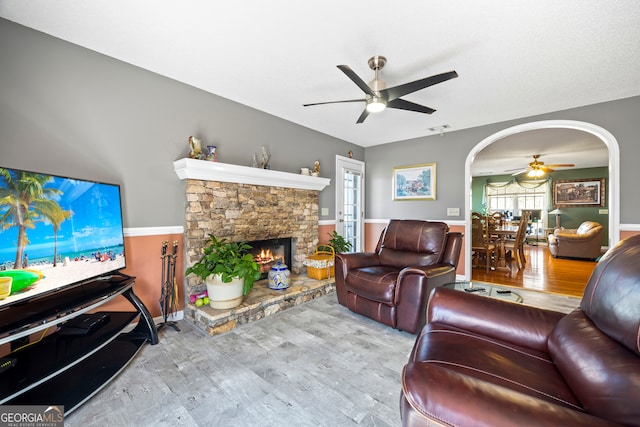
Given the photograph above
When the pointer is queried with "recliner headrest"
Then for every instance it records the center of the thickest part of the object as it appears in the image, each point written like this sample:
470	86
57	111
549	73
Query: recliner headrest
415	236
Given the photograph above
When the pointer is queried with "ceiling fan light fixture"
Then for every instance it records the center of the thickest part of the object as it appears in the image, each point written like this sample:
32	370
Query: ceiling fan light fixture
535	173
376	105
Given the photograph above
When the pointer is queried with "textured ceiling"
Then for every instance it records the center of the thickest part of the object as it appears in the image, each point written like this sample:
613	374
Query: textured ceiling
514	59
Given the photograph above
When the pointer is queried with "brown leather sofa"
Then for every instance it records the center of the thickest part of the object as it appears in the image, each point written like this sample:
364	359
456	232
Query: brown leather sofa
392	284
582	242
487	362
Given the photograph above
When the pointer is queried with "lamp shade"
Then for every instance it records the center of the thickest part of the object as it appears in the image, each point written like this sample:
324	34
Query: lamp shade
556	212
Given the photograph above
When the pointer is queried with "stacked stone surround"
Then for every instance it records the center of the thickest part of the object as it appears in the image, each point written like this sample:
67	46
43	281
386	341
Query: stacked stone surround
244	212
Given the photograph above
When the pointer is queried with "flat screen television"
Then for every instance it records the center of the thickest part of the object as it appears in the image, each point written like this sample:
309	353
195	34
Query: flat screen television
56	232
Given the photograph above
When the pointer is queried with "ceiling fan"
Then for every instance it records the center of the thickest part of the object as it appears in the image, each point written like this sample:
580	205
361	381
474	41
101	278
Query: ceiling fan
537	168
378	96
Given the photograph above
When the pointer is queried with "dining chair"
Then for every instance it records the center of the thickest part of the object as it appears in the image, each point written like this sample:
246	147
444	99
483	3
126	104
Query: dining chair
483	249
495	220
514	248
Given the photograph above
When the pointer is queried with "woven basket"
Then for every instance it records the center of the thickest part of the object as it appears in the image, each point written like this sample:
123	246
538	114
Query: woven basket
320	264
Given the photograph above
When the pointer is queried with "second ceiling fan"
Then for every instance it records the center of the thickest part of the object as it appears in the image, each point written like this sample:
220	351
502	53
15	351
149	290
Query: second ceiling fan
537	168
378	96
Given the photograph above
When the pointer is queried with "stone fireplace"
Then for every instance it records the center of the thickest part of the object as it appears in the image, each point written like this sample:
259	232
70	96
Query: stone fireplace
245	204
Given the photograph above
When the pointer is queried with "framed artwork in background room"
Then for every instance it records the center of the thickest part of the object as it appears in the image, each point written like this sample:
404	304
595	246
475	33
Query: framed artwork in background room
578	193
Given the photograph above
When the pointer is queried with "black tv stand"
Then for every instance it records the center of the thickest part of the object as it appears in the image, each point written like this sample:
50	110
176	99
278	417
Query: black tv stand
62	368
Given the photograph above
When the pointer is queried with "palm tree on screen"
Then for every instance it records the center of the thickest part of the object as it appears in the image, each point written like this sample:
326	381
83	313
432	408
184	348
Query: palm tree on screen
56	219
24	200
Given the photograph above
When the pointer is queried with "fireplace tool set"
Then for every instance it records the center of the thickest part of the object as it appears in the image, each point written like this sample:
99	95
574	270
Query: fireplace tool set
169	297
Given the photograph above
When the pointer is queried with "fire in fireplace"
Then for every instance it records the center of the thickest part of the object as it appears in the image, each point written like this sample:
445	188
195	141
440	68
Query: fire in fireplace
268	252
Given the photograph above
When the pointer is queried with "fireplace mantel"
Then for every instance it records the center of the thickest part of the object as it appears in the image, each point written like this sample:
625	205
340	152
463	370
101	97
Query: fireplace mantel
224	172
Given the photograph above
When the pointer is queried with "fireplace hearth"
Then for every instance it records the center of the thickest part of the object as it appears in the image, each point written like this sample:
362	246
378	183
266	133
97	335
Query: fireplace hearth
268	252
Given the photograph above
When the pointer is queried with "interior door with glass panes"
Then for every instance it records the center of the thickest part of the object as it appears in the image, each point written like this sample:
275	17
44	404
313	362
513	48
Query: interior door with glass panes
350	201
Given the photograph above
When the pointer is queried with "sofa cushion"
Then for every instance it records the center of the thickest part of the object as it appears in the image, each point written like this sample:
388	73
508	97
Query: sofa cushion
376	283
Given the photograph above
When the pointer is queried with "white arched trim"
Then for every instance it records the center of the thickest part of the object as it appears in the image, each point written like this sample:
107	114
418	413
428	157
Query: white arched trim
613	181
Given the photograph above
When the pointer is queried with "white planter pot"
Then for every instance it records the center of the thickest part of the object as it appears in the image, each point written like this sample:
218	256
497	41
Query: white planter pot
224	295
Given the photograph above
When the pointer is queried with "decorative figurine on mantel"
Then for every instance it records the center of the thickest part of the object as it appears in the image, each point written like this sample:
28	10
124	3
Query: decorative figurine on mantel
266	156
196	148
211	153
316	168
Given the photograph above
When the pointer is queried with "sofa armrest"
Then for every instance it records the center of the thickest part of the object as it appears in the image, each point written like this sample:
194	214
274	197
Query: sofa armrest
432	271
504	320
346	262
358	260
430	277
565	231
414	284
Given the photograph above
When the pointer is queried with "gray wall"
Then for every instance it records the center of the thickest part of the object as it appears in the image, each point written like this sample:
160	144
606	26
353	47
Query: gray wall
71	111
68	110
450	153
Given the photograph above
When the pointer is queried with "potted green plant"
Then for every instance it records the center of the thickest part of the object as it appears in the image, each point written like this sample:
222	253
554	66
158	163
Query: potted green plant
228	269
338	243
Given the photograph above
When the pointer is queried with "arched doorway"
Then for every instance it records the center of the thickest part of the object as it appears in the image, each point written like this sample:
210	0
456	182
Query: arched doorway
613	188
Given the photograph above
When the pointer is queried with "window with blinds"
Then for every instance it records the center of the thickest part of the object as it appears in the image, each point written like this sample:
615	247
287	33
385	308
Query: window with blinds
515	197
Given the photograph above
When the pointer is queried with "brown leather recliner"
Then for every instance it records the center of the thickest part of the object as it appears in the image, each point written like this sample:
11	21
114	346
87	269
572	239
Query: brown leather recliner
582	242
392	284
487	362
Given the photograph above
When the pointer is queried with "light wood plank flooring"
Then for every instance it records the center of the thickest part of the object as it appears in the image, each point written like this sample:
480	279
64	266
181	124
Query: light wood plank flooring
543	273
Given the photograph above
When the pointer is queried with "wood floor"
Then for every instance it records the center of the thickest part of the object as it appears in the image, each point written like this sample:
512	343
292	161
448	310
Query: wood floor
543	272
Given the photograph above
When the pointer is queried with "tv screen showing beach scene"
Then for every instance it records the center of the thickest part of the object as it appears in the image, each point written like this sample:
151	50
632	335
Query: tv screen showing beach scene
56	232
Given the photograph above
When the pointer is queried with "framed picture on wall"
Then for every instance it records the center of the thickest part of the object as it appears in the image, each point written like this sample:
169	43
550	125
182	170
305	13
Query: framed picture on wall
415	182
578	193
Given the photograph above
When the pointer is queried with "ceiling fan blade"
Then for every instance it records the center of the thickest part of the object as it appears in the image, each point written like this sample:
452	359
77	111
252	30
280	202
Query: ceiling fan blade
400	90
334	102
357	80
363	116
564	165
401	104
519	172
